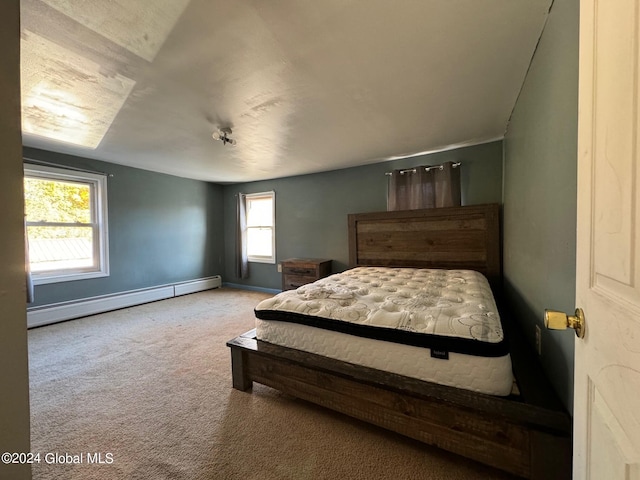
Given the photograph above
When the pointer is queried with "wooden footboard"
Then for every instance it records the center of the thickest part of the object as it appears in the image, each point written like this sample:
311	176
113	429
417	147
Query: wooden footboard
507	433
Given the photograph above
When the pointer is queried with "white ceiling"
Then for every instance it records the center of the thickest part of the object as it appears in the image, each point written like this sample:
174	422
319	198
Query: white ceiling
306	85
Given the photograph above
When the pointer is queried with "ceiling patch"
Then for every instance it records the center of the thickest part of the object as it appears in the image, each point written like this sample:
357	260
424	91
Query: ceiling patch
141	26
65	96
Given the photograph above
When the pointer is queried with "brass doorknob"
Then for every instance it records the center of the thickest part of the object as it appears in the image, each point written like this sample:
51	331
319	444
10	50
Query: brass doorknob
561	321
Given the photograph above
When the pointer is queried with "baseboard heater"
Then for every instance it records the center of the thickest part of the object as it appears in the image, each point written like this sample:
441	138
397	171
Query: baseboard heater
58	312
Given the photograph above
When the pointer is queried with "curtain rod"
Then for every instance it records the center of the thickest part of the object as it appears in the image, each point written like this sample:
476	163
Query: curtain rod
432	167
76	169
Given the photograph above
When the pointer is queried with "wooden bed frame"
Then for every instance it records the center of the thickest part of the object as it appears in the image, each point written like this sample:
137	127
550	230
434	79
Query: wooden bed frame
527	434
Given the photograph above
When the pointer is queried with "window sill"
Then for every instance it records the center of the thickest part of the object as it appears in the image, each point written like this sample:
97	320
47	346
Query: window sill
69	277
261	260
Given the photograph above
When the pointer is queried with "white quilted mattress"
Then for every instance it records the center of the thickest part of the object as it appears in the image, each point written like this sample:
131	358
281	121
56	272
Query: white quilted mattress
440	326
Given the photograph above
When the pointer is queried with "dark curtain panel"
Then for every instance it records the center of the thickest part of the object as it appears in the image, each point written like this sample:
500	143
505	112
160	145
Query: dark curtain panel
424	187
242	263
447	186
29	280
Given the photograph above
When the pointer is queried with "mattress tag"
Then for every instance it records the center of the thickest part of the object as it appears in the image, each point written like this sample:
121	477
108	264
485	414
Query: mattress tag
443	354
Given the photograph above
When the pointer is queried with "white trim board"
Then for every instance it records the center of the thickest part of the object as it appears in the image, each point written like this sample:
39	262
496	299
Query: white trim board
58	312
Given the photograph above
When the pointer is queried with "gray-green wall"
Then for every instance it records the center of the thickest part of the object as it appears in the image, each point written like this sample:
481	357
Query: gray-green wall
162	229
540	164
14	379
311	210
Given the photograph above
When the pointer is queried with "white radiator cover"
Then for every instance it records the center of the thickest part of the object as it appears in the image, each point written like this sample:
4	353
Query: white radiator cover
45	315
197	285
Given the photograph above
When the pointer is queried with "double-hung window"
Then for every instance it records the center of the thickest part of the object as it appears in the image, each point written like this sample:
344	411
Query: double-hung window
66	218
261	227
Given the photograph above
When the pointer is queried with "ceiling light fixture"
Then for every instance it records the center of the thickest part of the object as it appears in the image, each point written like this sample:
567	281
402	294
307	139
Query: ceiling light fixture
223	135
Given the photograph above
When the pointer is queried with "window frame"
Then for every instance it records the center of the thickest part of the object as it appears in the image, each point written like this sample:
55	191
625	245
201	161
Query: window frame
257	196
99	223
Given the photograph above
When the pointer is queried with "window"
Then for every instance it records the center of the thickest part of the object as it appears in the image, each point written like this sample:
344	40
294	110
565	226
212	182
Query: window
66	216
261	230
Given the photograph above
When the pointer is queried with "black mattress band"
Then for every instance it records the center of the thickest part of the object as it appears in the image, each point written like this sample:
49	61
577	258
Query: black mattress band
466	346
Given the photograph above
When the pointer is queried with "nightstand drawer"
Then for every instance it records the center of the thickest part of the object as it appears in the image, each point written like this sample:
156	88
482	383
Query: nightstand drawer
297	270
294	281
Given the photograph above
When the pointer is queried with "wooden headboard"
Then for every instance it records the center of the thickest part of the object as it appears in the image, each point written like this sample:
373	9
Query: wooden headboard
458	237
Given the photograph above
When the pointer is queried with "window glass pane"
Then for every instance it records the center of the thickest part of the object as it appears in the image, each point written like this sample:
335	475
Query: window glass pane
57	201
259	242
66	212
259	212
56	248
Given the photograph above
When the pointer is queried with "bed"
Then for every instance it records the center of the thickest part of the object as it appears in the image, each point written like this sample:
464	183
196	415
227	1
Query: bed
520	428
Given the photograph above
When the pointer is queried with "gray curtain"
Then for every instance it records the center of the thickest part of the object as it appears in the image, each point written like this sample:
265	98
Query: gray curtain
29	280
242	263
424	187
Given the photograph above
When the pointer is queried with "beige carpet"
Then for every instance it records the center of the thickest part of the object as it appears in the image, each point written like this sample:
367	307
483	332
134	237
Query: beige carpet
149	388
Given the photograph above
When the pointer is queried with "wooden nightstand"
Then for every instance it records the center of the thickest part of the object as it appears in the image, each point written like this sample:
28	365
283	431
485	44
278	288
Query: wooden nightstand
299	271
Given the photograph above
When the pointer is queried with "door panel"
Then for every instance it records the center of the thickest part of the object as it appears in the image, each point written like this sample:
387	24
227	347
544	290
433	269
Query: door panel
614	435
615	127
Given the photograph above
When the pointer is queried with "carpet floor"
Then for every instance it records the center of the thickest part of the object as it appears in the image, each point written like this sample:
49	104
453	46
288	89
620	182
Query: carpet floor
145	393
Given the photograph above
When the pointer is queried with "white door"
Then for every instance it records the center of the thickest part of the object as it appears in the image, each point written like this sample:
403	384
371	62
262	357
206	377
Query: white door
607	372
